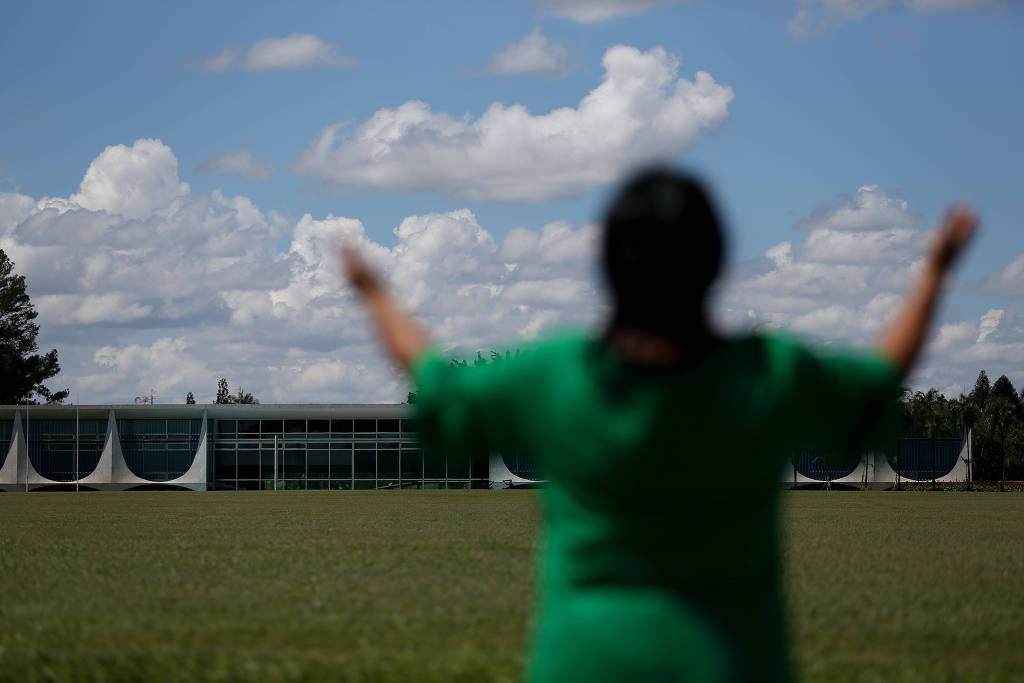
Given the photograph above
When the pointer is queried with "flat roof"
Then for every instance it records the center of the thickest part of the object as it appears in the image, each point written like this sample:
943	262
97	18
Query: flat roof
213	410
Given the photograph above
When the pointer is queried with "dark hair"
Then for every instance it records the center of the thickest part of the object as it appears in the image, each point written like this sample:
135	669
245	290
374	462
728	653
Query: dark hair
663	247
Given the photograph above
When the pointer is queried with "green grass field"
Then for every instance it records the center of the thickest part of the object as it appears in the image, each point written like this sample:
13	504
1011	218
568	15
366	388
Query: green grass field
436	586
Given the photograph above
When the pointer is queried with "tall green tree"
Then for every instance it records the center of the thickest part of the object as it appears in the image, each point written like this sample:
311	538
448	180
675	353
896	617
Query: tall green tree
223	393
1003	388
982	389
1002	413
190	400
22	370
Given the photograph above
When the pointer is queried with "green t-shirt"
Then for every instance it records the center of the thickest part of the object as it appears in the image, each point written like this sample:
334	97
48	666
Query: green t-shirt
659	553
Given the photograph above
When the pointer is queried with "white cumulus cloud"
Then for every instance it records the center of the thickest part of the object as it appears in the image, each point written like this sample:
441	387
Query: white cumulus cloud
295	51
641	112
196	288
131	181
533	54
200	274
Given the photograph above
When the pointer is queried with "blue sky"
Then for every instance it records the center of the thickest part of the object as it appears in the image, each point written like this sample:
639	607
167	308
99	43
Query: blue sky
810	102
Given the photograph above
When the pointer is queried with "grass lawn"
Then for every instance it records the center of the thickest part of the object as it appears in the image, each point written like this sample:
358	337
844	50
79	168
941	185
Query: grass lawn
436	586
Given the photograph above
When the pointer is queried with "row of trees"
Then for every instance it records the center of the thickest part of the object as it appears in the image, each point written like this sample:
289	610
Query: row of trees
224	395
994	413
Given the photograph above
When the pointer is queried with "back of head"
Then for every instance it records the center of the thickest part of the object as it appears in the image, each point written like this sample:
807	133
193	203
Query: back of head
663	247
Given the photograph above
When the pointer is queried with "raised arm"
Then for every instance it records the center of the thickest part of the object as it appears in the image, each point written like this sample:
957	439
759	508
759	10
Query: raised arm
402	337
902	340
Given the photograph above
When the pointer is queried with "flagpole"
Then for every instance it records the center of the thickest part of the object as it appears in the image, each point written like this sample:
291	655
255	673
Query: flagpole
76	442
28	452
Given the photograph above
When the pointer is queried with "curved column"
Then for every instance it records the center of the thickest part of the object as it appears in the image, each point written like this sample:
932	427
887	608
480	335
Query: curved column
857	476
9	471
499	473
119	470
103	472
195	477
885	474
960	470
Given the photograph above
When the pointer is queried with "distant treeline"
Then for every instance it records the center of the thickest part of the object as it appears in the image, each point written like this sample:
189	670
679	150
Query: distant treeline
994	414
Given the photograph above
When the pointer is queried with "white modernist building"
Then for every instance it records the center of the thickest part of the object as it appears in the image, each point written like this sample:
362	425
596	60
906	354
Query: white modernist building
342	447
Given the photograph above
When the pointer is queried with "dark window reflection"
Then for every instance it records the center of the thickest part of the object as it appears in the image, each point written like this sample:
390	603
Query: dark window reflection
248	462
341	463
387	464
248	426
272	426
365	464
317	461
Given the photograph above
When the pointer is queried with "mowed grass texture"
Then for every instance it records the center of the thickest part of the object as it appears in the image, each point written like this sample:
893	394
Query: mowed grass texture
897	586
286	586
437	586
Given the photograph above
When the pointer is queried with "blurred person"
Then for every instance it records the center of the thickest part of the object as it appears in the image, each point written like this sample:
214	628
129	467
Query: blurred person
648	571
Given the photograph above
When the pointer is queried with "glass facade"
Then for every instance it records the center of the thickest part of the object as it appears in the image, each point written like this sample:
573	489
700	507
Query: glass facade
61	452
911	456
159	449
334	454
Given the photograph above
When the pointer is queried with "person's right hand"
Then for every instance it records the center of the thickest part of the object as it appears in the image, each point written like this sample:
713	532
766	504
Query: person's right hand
360	274
954	233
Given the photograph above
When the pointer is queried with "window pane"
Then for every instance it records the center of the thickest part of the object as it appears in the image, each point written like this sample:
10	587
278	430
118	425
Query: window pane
227	426
272	426
366	426
248	485
365	484
387	425
267	463
248	426
412	463
341	484
319	426
316	484
341	426
317	462
294	461
387	464
410	426
248	463
295	426
365	464
341	464
388	484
